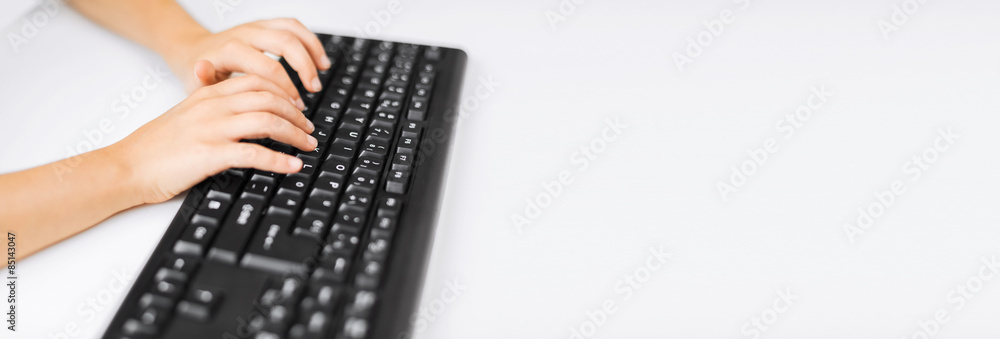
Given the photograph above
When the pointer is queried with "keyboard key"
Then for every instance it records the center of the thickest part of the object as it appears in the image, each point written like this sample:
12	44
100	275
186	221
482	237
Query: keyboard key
326	118
273	249
361	304
349	135
350	215
236	231
164	293
370	162
408	143
364	178
397	182
334	269
322	135
199	304
384	114
149	321
211	210
355	328
298	183
402	161
323	201
341	242
411	129
375	146
377	249
309	164
176	268
289	200
226	185
334	166
151	299
380	129
358	196
370	275
195	239
390	206
343	149
432	53
417	110
312	224
259	185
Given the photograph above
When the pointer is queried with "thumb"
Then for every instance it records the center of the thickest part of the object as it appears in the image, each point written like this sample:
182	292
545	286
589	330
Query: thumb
205	72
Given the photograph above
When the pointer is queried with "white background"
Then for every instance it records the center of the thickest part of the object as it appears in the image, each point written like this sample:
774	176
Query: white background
655	185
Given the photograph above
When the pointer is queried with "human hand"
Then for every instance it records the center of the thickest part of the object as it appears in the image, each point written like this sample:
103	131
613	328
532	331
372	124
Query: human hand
204	58
200	137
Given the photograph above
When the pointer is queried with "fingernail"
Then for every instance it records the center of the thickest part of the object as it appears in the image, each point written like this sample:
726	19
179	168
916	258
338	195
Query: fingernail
312	127
295	163
301	105
312	141
316	85
326	63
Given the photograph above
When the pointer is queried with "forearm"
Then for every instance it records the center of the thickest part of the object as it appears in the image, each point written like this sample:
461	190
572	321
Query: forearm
156	24
47	204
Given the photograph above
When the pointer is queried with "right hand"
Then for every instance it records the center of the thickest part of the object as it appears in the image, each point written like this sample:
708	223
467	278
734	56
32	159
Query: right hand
205	59
200	137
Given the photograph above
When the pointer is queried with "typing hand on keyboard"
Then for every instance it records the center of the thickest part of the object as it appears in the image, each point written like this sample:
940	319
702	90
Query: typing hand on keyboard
336	250
200	137
204	59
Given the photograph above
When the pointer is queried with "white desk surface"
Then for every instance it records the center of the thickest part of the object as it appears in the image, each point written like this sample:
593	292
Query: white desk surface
655	185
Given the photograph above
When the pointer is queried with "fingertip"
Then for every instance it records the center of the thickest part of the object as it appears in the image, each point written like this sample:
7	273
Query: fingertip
295	102
324	62
204	71
316	85
294	164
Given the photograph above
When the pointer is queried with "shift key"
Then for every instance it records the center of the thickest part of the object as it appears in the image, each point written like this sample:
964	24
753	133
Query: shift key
232	238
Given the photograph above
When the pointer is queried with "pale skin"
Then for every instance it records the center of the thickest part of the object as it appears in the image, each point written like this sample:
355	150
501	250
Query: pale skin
192	141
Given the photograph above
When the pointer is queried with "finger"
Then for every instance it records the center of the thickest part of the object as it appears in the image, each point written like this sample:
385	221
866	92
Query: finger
249	83
204	71
308	39
266	102
258	125
239	57
286	44
247	155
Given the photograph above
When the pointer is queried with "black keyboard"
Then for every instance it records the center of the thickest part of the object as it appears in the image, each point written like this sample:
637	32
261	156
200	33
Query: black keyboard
337	250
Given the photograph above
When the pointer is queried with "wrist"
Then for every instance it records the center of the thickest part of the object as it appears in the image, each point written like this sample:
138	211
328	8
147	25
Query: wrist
123	186
177	46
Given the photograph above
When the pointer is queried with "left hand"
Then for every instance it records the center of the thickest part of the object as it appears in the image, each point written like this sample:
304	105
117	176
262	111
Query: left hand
206	59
